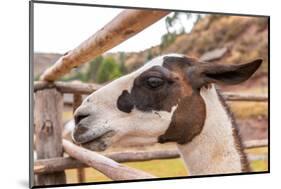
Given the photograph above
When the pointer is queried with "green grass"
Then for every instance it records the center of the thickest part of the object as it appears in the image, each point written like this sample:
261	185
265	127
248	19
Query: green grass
258	165
159	168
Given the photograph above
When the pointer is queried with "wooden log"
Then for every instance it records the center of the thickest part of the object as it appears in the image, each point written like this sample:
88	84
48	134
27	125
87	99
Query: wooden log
245	97
108	167
41	168
88	88
67	87
123	26
58	164
77	100
48	130
256	143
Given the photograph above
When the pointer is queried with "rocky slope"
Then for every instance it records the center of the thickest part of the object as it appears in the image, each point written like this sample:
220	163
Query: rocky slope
243	38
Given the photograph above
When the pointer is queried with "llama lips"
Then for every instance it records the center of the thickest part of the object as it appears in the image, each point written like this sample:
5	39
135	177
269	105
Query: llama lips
99	144
83	134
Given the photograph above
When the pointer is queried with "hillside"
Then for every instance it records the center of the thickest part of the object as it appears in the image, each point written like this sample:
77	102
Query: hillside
243	38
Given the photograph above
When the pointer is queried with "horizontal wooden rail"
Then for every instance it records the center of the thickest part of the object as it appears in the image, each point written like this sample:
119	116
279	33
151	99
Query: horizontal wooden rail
255	143
59	164
88	88
122	27
67	87
245	97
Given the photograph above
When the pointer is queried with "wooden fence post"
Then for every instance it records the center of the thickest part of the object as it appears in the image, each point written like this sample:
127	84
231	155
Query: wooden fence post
48	129
77	100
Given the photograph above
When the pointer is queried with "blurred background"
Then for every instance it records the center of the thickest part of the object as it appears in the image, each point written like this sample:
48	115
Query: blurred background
212	37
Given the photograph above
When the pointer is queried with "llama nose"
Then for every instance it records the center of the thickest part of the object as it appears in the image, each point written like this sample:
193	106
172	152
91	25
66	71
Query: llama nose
78	117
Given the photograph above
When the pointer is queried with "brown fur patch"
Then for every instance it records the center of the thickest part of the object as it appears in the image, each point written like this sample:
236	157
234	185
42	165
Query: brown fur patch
187	121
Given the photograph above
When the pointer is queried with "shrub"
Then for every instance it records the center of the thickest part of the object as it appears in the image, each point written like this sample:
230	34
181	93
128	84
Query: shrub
93	68
122	59
108	70
167	39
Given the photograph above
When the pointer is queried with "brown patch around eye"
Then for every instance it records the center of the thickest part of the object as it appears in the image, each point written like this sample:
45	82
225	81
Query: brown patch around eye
161	94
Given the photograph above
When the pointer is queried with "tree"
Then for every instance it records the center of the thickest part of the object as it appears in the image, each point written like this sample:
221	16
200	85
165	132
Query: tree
93	68
122	58
167	39
175	18
149	55
108	70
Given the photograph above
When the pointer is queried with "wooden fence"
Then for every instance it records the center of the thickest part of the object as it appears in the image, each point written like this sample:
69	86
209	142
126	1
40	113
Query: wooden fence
48	108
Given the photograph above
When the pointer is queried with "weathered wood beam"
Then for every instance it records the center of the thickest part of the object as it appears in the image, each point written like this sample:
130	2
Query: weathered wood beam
48	130
108	167
245	97
123	26
88	88
67	87
255	143
57	164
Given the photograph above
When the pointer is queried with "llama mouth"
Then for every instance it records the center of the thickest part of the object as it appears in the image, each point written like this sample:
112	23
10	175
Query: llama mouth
100	143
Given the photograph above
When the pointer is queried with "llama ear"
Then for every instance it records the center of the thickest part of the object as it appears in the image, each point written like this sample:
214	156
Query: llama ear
222	74
187	120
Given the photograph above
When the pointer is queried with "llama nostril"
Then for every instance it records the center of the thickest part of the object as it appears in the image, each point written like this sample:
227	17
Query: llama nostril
79	134
81	130
79	117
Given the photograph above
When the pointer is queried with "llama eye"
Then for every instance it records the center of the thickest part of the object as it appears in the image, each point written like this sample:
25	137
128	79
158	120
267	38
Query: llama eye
154	82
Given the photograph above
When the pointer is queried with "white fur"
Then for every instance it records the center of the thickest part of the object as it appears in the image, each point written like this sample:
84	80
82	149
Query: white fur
213	150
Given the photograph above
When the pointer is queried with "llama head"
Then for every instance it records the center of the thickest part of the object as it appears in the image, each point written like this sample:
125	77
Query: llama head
160	102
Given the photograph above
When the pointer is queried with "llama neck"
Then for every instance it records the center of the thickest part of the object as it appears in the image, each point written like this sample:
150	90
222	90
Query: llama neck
217	149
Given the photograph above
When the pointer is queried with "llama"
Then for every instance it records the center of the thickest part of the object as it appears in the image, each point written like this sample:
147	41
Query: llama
172	98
